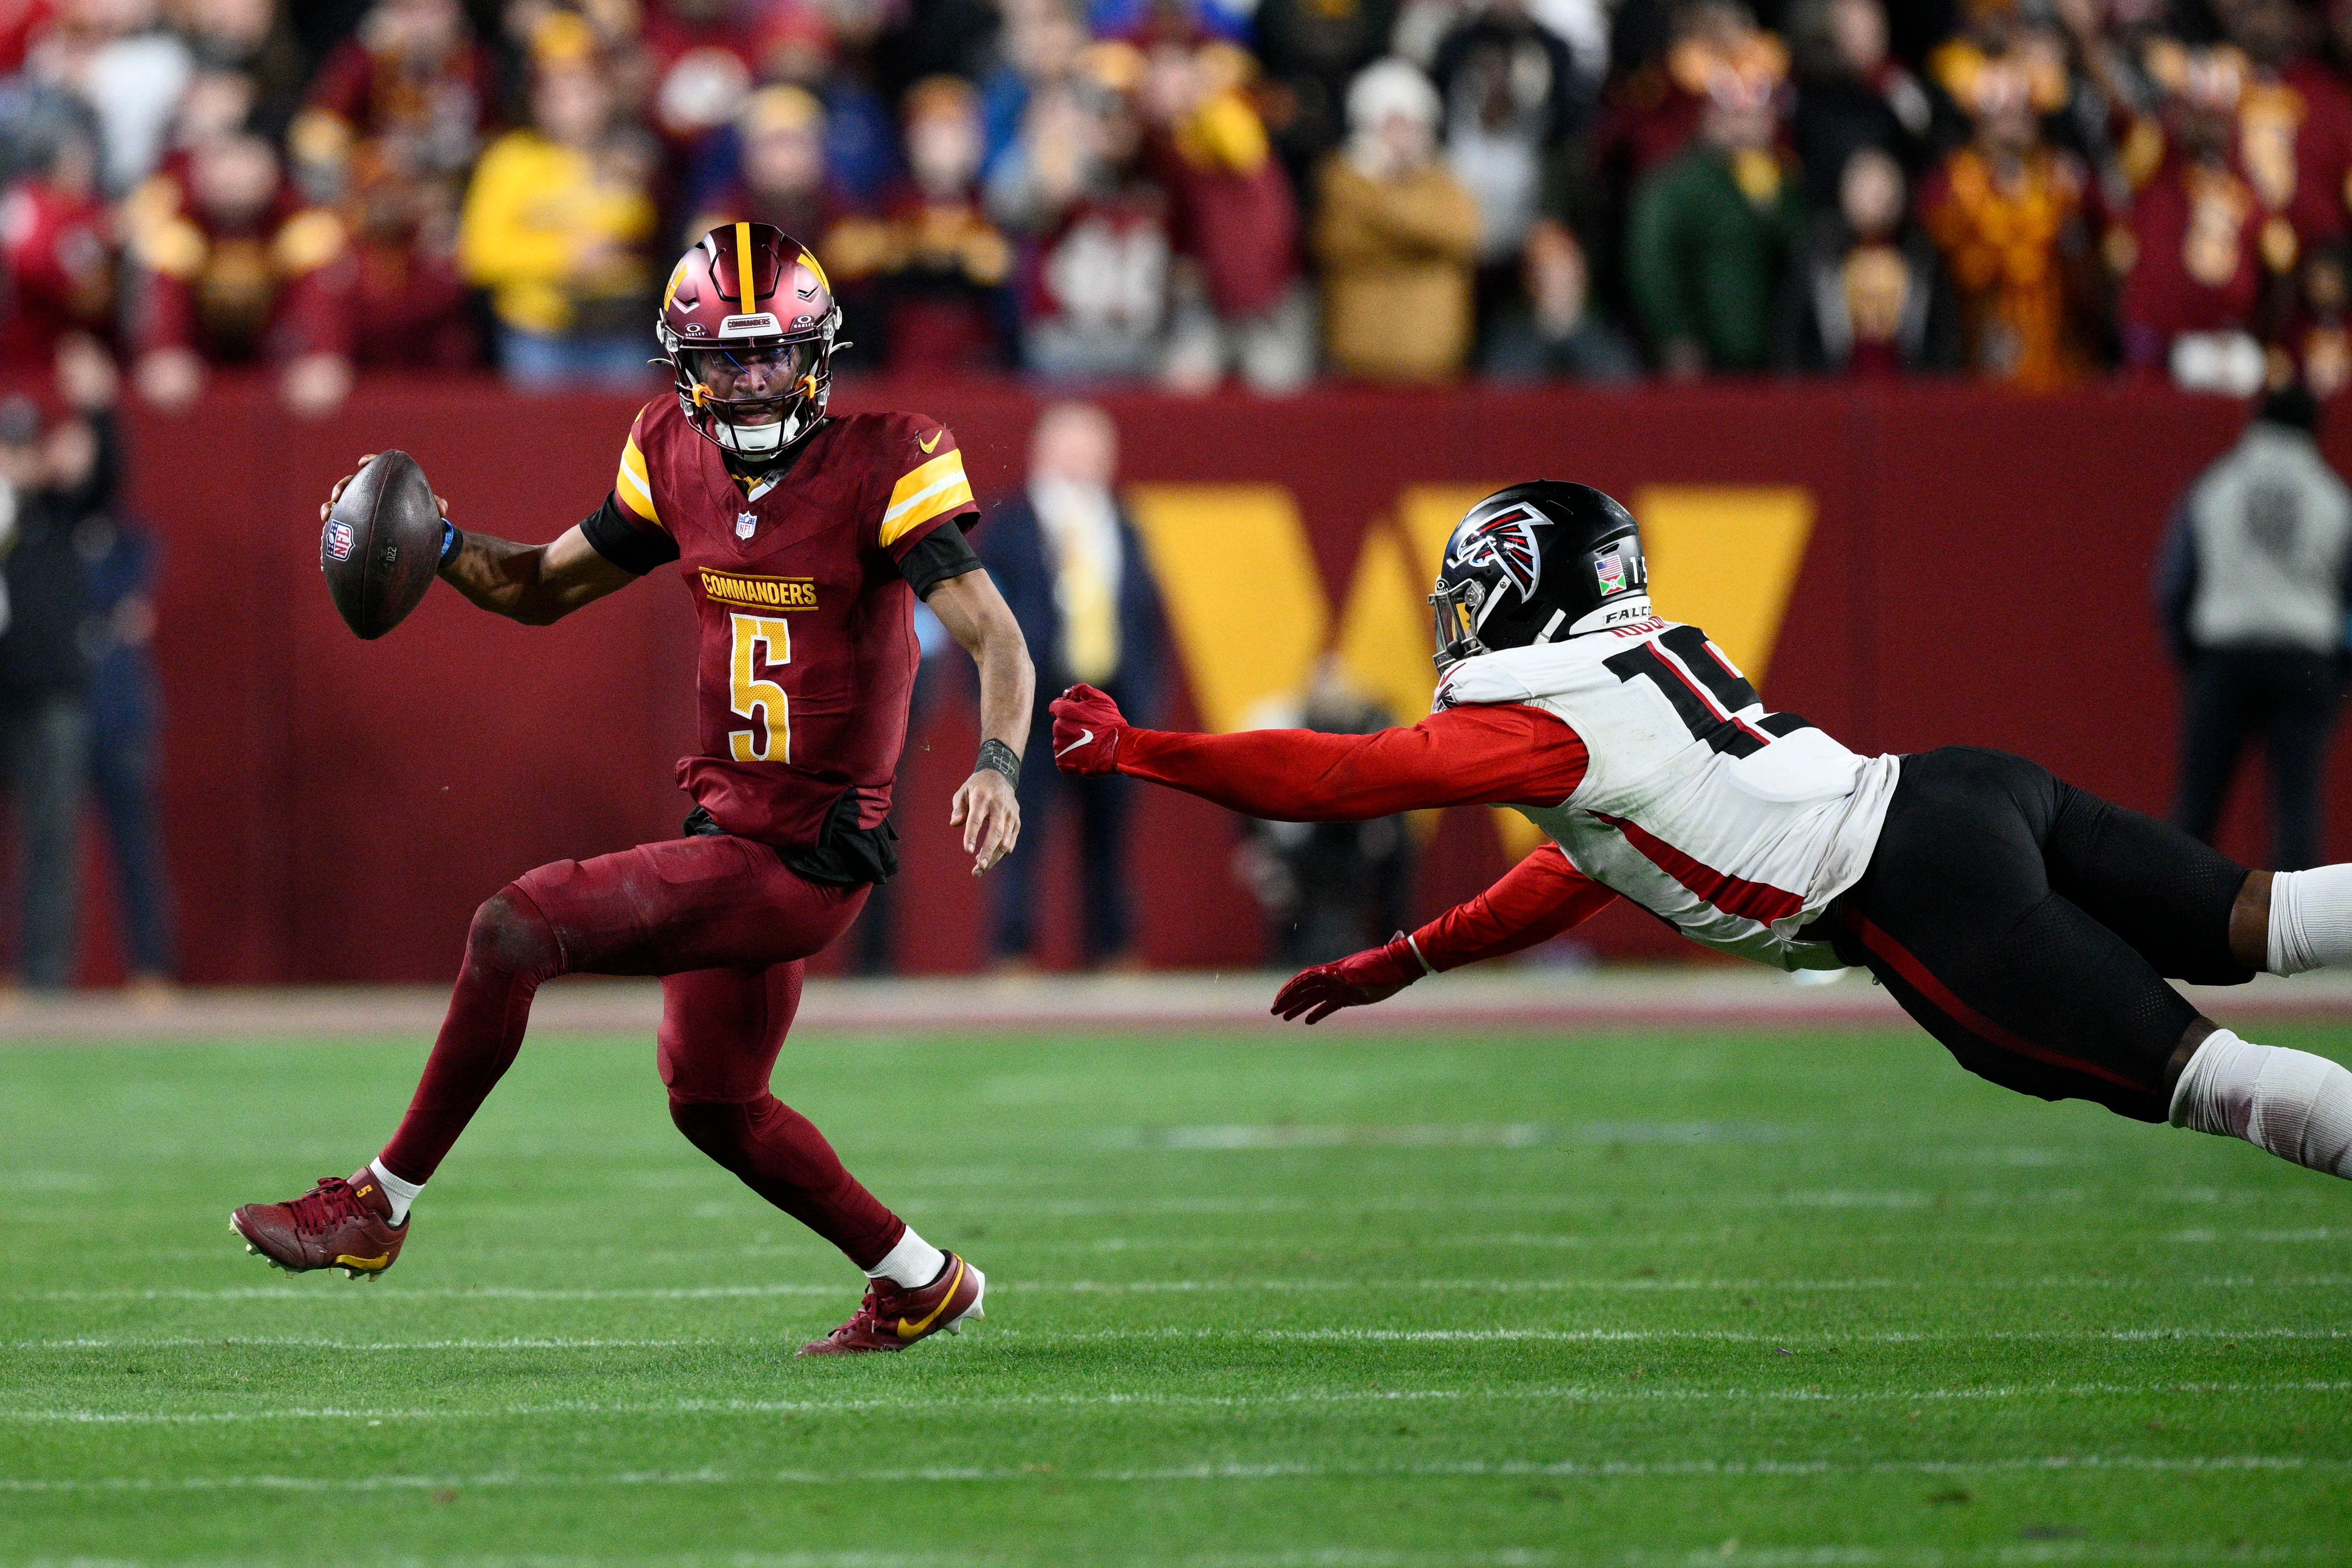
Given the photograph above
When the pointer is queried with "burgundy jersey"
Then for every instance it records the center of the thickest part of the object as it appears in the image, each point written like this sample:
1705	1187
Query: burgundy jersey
808	652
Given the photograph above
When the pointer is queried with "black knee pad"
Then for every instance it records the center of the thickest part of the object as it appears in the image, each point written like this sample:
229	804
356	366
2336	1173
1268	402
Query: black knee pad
510	936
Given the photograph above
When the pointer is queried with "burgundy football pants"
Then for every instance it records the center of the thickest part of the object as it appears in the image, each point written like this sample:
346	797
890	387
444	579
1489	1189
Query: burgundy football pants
726	927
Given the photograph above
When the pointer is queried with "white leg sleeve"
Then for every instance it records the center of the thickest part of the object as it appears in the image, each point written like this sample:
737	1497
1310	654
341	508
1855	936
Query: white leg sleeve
2297	1105
2311	919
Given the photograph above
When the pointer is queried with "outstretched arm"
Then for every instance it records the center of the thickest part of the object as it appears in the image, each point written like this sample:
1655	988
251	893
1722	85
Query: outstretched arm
1536	901
534	583
977	616
1498	754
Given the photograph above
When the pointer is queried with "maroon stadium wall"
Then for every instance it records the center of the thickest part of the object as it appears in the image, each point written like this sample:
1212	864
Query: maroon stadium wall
1977	571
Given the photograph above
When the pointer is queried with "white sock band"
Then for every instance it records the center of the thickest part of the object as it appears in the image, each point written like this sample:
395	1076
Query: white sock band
402	1194
2311	919
913	1263
2297	1105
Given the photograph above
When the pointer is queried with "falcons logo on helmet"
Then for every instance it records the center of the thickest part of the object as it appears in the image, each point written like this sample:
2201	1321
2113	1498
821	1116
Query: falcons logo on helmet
1506	541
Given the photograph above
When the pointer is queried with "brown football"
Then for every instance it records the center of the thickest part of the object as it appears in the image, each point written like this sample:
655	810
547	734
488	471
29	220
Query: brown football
382	544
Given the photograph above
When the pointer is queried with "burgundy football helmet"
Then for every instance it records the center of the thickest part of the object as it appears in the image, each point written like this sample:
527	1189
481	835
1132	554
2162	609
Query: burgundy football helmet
747	322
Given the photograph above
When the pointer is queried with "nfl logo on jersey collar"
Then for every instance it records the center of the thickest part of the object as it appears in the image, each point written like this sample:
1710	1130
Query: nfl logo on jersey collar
746	524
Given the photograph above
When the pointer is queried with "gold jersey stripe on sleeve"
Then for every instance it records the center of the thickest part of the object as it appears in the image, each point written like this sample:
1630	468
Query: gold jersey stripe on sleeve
939	486
636	491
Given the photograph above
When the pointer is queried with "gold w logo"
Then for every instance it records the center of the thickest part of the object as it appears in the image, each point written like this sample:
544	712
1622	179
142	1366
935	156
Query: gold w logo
1252	620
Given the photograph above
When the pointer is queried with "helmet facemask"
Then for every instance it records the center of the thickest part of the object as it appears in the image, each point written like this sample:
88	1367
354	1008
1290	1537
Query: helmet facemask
755	399
1459	609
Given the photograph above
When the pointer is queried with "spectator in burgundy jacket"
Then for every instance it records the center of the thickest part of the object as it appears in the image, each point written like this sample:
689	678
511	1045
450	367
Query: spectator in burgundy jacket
56	264
232	266
1240	302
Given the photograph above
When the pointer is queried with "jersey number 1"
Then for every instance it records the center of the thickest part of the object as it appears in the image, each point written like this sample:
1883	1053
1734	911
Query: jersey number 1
769	739
1706	692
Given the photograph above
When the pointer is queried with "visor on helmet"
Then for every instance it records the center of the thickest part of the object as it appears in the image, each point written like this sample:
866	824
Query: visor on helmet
753	385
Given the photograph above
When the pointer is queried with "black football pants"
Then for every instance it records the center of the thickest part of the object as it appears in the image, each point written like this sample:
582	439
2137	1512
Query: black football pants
2286	697
2031	926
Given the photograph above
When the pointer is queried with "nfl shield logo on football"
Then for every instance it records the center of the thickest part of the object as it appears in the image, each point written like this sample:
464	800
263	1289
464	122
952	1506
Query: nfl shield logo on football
339	540
1610	570
744	525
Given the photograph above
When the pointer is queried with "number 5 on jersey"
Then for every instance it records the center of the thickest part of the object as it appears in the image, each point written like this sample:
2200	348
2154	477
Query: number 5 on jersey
770	738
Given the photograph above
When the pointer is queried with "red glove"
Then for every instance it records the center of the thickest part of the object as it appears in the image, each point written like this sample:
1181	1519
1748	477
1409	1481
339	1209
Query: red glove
1086	730
1356	981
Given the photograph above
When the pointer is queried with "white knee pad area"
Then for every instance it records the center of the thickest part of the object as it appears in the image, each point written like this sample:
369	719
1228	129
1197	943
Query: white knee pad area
2297	1105
2311	919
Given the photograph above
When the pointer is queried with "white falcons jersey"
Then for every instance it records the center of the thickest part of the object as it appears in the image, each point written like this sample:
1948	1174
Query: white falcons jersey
1734	826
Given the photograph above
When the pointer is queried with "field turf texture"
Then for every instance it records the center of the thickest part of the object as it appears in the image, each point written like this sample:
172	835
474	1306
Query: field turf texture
1631	1297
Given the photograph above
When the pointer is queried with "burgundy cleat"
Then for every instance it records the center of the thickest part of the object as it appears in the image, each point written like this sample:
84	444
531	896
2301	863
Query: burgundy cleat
892	1317
336	1225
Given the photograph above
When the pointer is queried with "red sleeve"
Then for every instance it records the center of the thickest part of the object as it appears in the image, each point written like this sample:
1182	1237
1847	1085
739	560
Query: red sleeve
314	312
1536	900
342	86
1498	754
167	312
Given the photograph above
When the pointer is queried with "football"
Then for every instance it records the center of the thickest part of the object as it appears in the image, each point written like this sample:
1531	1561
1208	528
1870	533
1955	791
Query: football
382	544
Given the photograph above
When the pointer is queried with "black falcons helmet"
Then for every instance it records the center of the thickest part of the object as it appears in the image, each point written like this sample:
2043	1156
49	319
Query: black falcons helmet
1533	562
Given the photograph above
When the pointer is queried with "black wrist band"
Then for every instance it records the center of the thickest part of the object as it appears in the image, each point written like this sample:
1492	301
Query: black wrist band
452	540
995	753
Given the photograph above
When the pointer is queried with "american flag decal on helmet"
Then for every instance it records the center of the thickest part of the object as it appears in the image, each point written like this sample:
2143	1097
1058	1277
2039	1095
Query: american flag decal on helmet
1506	540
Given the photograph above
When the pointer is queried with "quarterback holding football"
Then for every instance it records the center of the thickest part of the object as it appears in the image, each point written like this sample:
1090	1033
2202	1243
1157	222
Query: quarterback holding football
804	541
2028	925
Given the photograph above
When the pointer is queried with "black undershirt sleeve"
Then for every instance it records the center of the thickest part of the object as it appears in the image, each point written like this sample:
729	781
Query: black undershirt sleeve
621	542
941	555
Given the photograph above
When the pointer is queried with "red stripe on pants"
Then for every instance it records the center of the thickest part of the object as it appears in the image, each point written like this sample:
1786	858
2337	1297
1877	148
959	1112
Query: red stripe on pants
1899	959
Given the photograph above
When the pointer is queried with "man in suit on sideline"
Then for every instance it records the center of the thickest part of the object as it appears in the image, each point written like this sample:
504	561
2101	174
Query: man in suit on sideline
1073	568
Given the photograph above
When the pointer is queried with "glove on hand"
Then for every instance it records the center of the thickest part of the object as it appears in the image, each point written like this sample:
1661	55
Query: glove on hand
1087	726
1357	981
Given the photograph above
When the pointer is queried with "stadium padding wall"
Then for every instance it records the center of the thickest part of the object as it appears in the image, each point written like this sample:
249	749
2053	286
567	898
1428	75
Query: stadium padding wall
1975	569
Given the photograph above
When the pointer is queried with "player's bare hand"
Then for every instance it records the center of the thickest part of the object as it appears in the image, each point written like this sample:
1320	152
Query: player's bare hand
990	817
345	484
1358	979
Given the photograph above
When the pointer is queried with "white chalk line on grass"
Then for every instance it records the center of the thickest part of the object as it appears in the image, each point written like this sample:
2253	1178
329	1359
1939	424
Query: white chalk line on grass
183	1342
1333	1335
1725	1336
1580	1393
1641	1285
1322	1243
1729	1555
1473	1469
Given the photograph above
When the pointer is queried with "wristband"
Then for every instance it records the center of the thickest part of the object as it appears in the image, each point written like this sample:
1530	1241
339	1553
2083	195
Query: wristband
452	542
995	754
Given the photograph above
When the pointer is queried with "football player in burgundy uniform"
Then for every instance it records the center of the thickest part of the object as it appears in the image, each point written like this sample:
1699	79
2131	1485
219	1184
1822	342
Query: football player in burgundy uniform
805	541
2027	925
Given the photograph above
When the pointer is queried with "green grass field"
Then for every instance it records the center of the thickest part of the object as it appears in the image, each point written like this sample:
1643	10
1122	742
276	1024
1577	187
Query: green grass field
1729	1298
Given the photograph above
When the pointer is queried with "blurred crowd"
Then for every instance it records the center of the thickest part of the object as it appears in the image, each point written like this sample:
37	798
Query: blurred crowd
1192	192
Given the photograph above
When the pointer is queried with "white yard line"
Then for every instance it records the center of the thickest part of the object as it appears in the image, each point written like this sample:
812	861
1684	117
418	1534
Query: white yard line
1180	1287
1727	1336
712	1475
181	1342
1569	1395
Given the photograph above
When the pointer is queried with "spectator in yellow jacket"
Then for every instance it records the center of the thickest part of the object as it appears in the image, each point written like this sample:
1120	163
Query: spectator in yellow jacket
1397	236
556	225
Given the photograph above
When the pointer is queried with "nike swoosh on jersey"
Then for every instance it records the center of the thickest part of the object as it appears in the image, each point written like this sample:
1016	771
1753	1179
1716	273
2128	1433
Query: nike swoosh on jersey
1085	736
932	444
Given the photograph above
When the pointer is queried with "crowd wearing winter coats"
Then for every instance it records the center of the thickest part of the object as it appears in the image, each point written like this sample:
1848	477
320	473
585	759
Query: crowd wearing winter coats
1191	193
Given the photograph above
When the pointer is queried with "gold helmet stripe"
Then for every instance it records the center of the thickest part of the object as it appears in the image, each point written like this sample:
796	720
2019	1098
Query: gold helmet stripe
746	289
